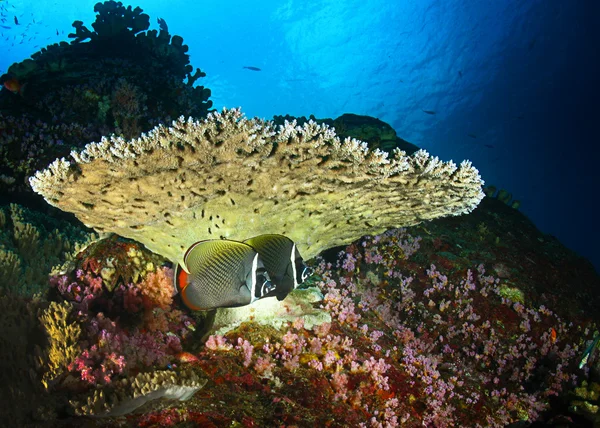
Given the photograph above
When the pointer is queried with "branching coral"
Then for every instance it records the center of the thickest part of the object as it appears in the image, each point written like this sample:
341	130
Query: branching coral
22	361
232	177
30	246
586	401
63	336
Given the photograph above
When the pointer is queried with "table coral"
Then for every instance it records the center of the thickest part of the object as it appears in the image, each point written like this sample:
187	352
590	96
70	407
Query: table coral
232	177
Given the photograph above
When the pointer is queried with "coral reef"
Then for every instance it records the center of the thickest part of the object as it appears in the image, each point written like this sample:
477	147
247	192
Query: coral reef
406	346
424	325
123	298
120	77
30	246
214	178
475	320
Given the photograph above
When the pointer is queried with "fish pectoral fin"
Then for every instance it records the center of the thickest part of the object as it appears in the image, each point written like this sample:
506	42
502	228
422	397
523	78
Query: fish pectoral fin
244	290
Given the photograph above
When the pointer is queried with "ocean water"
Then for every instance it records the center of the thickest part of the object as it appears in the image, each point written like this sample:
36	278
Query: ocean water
511	85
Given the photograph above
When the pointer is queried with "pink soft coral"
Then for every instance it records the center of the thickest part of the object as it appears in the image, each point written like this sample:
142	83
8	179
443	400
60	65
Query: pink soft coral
157	289
154	291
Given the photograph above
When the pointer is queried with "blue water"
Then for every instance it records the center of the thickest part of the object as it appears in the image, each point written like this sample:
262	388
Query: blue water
520	76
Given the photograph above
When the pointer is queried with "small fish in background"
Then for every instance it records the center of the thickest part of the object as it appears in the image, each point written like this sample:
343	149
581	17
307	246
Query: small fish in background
553	335
221	274
162	24
16	21
283	262
14	86
460	74
589	351
249	67
472	135
187	358
428	111
489	146
6	27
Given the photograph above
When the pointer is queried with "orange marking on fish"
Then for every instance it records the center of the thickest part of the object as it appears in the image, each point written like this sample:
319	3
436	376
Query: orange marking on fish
182	279
182	283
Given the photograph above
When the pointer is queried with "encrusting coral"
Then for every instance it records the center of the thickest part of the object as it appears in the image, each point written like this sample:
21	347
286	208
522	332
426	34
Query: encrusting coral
233	177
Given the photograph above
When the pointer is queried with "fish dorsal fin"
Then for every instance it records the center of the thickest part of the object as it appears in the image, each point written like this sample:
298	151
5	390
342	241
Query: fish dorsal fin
272	249
189	250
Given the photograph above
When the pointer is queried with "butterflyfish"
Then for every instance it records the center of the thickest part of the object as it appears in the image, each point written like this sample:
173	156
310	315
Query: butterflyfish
283	262
221	274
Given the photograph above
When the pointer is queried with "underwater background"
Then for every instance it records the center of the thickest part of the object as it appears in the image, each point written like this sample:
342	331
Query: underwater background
513	84
407	294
